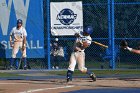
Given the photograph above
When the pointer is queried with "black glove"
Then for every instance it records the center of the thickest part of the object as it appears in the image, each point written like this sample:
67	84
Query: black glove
123	44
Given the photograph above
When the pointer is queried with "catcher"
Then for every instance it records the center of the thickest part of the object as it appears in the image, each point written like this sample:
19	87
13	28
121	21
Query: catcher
124	45
78	55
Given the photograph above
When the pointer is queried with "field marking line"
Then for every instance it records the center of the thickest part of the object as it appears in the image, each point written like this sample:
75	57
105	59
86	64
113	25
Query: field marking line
43	89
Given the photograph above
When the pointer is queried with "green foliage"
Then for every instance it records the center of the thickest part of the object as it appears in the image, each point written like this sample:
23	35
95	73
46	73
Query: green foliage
127	21
3	63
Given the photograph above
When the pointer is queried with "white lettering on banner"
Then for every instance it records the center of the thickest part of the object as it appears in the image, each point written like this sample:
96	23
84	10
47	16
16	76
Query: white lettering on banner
30	45
27	45
38	45
67	17
4	43
5	15
20	9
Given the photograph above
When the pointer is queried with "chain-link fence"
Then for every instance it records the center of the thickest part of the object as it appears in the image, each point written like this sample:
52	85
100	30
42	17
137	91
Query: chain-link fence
96	14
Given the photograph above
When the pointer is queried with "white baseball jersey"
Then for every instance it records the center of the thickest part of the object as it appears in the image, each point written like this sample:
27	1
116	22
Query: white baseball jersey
87	39
81	39
17	34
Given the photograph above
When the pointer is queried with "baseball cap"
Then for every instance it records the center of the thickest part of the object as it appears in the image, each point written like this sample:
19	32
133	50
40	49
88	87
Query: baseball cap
19	21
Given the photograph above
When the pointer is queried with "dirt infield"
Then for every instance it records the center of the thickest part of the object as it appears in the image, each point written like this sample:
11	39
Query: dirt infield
60	85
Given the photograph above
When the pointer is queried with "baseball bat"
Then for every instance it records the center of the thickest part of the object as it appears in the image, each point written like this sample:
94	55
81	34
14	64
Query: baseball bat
100	44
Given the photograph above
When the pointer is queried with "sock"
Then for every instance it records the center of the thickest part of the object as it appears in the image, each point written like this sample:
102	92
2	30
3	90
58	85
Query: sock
89	72
12	61
69	74
25	62
17	64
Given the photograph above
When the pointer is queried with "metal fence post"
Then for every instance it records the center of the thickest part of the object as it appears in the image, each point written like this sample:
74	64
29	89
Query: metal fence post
112	39
111	32
48	33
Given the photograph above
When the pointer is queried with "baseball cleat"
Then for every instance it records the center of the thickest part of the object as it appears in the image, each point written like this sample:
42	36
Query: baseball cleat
93	76
57	67
53	67
69	80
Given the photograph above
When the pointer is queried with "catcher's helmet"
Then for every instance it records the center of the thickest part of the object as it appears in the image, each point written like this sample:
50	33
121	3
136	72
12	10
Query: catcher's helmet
88	30
19	21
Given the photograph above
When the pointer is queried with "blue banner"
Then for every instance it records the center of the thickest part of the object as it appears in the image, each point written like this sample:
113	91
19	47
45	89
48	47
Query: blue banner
31	12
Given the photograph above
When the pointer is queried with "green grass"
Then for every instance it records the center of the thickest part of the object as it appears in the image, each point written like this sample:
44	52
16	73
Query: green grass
99	72
8	75
78	73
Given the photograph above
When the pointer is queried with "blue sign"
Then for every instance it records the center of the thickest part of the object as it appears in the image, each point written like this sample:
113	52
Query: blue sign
31	12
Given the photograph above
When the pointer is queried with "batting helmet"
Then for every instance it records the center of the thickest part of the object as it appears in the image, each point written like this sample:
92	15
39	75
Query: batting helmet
88	30
19	21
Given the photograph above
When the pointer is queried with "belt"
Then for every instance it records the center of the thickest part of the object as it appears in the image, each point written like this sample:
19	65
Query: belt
78	51
17	41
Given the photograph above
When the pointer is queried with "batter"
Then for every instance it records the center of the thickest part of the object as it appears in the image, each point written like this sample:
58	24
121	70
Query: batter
83	41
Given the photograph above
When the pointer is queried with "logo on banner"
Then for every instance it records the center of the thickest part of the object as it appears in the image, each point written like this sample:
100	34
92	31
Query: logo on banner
66	16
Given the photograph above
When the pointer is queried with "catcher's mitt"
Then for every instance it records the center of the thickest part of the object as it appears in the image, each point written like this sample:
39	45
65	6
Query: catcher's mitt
123	44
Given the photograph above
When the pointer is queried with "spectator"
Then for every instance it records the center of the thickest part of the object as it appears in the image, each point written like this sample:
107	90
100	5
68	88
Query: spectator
57	54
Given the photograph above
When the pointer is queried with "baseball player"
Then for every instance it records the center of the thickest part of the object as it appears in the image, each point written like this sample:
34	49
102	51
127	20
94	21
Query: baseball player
18	41
83	41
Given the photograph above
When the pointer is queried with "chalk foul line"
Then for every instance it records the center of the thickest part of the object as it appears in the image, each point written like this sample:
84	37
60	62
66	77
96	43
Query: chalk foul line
44	89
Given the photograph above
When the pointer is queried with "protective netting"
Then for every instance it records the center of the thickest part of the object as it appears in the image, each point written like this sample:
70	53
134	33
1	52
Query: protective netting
95	14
